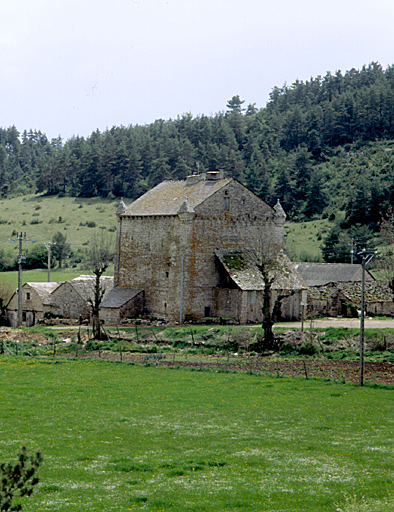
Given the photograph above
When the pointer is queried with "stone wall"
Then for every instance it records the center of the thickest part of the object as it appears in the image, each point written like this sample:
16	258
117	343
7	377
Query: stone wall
32	307
71	304
151	260
114	316
173	255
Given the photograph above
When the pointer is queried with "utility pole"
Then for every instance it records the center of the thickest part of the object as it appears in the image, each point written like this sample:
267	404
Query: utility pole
48	245
366	257
20	238
352	252
182	279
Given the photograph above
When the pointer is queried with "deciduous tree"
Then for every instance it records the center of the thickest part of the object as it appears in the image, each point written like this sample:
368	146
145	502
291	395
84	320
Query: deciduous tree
99	255
272	264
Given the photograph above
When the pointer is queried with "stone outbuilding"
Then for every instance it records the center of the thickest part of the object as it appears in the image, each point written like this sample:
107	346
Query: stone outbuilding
378	298
36	301
320	274
241	287
72	298
121	303
167	243
330	288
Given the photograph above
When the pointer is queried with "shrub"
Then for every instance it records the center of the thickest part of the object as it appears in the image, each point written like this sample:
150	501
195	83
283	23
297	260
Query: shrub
18	480
92	345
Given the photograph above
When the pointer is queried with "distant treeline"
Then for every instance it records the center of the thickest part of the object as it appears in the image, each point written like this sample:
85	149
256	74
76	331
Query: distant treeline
313	146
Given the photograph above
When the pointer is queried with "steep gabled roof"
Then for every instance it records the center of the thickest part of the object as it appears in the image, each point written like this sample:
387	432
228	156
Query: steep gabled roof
167	197
118	296
44	290
249	278
84	285
318	274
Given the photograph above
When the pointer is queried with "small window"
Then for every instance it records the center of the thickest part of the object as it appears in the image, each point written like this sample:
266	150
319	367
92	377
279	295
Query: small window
27	295
207	311
167	274
226	203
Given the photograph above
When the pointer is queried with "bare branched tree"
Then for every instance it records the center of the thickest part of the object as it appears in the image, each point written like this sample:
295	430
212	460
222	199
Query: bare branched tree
99	255
272	264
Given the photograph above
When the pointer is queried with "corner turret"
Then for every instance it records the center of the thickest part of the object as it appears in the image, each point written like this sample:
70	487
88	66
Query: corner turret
186	212
279	223
279	215
120	209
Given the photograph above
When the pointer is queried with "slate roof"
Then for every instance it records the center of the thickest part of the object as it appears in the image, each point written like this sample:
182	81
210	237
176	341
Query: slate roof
118	296
168	197
44	290
250	278
375	291
318	274
322	292
84	285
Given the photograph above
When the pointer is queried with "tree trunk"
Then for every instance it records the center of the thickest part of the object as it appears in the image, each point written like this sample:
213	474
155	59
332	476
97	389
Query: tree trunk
96	324
268	320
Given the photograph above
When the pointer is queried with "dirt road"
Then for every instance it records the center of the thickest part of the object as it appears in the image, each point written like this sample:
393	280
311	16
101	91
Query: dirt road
341	322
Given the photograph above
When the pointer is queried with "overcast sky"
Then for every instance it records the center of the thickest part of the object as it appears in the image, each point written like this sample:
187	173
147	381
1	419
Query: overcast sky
69	67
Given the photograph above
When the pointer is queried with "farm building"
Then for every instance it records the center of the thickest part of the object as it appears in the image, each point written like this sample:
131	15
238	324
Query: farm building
320	274
335	289
121	303
169	242
36	301
71	299
378	298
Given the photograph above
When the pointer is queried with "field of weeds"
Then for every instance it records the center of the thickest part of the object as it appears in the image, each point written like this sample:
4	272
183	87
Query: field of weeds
129	437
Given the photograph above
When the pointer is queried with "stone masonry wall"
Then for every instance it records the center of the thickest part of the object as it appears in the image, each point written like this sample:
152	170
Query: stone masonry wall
151	260
151	250
232	218
71	304
33	304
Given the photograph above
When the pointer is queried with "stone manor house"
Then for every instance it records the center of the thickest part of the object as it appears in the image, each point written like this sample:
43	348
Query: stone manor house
174	249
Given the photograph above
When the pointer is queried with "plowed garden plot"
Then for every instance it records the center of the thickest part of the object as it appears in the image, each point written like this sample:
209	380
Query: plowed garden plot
336	370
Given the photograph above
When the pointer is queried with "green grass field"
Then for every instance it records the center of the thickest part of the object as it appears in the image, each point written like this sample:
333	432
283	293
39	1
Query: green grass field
125	437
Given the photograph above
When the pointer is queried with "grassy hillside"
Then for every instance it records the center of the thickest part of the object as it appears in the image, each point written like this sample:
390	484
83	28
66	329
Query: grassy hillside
42	216
303	240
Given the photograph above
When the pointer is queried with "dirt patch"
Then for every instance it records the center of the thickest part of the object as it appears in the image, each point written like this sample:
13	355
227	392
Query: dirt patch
336	370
